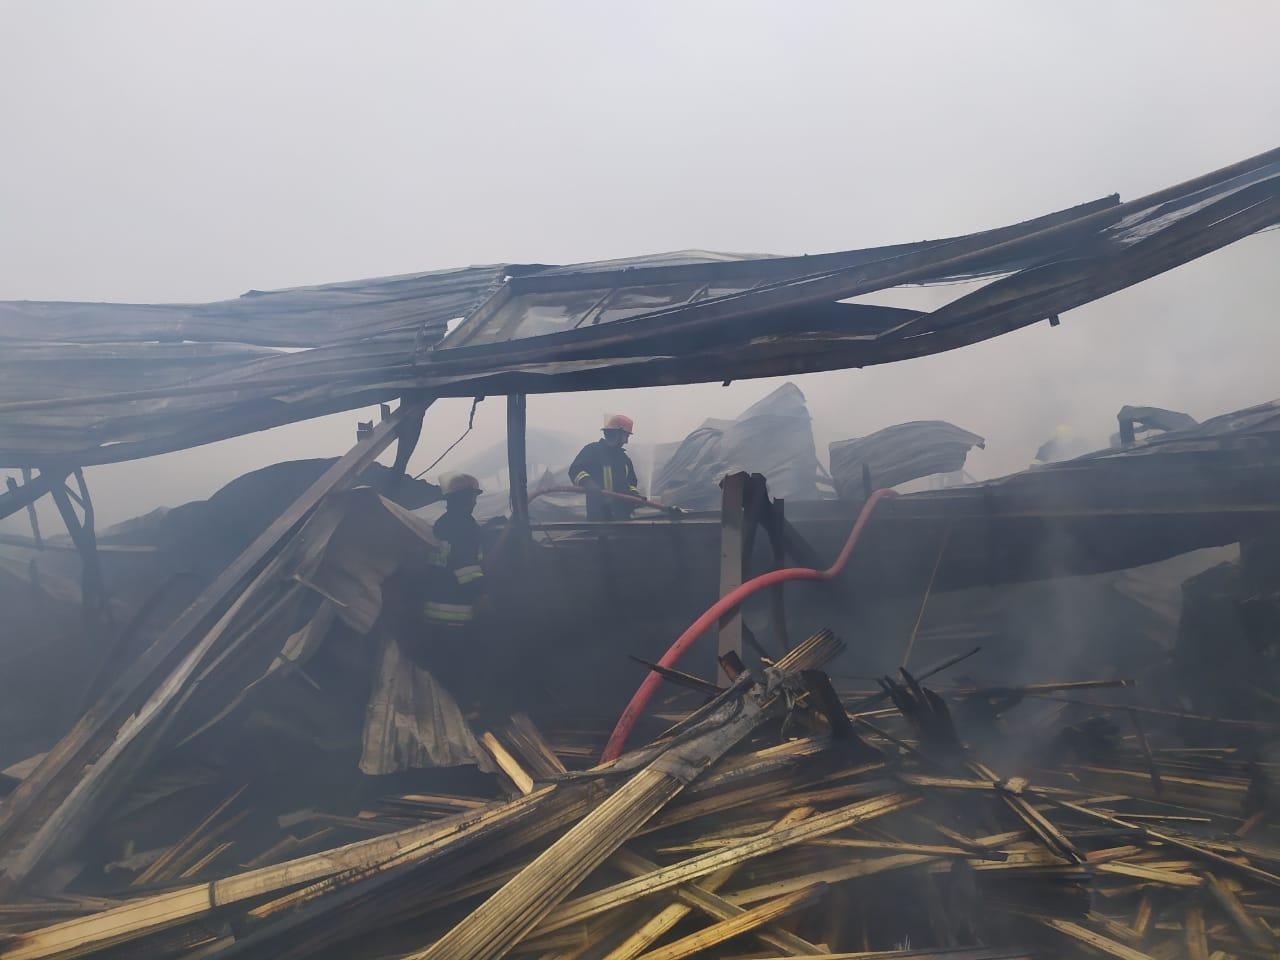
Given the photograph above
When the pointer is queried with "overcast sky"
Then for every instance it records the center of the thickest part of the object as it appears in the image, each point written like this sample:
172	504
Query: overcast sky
160	151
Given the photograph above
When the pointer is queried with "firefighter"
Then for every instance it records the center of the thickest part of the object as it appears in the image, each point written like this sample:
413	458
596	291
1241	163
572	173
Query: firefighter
458	584
604	465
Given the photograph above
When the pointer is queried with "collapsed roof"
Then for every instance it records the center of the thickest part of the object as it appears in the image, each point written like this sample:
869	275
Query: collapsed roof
899	454
92	383
773	436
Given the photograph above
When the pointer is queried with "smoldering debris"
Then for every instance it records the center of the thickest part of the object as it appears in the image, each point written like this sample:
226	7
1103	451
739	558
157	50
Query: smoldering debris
771	820
307	791
262	766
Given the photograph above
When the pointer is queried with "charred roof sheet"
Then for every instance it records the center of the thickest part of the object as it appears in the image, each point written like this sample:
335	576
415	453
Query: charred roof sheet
92	383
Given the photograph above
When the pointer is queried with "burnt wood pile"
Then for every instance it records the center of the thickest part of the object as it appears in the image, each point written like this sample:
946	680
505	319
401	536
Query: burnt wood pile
778	817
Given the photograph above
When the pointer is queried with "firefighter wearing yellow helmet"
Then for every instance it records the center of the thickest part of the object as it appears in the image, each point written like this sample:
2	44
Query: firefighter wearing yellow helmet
605	466
458	585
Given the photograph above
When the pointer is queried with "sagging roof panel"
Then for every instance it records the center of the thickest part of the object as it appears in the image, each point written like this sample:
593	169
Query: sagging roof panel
298	317
561	300
685	317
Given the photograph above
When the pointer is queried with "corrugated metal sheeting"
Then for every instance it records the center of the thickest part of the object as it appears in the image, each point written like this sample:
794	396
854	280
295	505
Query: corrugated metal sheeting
92	383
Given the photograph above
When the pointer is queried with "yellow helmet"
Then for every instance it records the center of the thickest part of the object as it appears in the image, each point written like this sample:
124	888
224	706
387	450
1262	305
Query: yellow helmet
461	483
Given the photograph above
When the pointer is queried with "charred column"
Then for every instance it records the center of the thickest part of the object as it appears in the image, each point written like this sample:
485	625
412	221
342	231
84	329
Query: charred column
517	462
733	561
93	593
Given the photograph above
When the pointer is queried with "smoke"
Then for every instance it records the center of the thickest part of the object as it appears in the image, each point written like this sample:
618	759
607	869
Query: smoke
162	153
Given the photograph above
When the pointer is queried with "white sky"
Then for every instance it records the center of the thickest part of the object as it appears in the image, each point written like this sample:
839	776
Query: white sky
160	151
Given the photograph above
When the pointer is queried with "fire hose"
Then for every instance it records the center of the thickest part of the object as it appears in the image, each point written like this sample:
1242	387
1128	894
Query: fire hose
631	498
639	501
640	700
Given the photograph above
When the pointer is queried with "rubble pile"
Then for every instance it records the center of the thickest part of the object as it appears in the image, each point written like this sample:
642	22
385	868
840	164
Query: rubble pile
248	753
779	818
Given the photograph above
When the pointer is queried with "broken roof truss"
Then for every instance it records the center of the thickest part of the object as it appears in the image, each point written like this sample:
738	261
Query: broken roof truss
96	383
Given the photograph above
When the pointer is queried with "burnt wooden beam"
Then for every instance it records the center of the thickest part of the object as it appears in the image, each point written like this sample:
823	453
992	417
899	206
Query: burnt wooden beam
93	591
733	560
518	462
775	518
32	517
56	800
498	925
406	442
24	497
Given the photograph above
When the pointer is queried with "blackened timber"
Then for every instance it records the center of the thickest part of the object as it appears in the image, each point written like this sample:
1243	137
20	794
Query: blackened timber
503	920
406	443
93	592
344	869
33	488
733	562
32	517
50	786
518	462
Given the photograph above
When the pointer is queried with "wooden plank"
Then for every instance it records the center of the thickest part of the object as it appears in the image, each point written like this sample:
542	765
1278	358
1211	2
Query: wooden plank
593	904
524	735
744	922
842	873
51	796
1143	916
158	867
509	916
1194	933
1138	871
508	764
1089	938
1254	930
928	953
1037	822
137	918
1197	850
207	859
701	897
658	925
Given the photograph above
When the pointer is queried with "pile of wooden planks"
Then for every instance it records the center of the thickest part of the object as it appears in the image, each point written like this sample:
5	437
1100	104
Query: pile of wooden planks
777	819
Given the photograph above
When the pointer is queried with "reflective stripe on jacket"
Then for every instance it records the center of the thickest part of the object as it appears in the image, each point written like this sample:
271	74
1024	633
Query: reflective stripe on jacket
456	581
612	470
448	614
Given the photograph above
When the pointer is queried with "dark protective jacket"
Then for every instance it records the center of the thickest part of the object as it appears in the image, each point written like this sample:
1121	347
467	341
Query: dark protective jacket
611	469
457	580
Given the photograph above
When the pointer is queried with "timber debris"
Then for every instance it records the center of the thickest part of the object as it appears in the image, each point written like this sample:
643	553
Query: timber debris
755	827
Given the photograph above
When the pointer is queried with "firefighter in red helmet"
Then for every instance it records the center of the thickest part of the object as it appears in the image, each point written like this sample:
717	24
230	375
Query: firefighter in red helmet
605	466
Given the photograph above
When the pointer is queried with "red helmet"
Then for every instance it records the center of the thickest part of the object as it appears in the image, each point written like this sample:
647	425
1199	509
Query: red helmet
462	483
620	422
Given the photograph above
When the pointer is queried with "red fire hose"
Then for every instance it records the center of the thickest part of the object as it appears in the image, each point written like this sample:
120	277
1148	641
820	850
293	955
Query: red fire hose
642	696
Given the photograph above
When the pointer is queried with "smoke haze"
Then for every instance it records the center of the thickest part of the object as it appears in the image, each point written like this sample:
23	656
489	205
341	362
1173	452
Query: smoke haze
187	152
